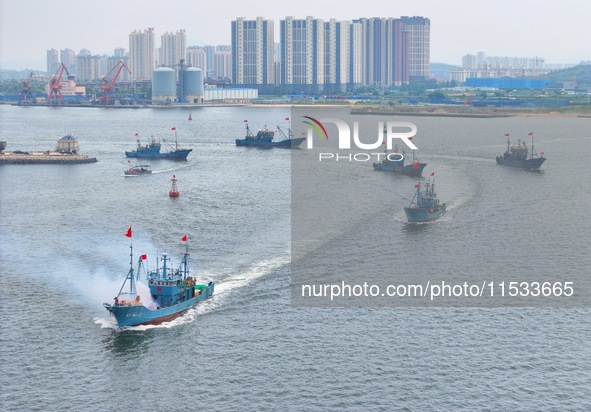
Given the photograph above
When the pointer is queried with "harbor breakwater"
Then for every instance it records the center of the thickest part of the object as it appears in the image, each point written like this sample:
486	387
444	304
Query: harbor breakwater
44	158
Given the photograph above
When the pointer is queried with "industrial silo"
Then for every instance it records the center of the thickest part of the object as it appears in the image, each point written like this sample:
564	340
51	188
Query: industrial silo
193	85
163	85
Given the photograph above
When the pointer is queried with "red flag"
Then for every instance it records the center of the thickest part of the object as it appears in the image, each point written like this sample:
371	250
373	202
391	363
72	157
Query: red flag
417	185
530	134
416	165
507	134
541	153
174	128
136	134
287	118
144	257
432	174
184	239
128	234
410	138
383	142
245	121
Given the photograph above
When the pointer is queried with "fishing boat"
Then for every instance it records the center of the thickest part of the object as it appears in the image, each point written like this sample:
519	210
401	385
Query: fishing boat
264	139
520	156
424	206
172	292
138	170
395	162
153	150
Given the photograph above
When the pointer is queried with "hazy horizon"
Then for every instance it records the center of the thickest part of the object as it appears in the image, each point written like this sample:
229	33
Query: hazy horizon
28	28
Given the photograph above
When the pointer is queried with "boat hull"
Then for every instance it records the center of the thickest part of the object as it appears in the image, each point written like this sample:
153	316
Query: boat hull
528	164
140	315
400	168
180	154
423	214
288	144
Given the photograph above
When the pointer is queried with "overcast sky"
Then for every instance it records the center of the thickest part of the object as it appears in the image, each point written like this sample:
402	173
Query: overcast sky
557	31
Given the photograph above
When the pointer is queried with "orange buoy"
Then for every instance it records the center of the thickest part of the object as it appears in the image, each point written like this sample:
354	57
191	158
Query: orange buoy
174	191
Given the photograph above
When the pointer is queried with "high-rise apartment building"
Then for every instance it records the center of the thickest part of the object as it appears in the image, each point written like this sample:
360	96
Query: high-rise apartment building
53	61
142	54
68	57
197	57
223	64
302	54
210	56
252	53
385	52
419	46
173	48
88	67
342	55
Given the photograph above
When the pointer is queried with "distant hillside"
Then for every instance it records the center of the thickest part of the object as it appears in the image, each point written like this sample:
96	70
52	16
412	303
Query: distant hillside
582	73
440	71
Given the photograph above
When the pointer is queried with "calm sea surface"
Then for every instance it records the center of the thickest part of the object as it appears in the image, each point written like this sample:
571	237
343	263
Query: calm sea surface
63	254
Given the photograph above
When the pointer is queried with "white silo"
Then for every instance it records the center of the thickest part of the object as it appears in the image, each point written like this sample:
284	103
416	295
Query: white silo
193	85
163	85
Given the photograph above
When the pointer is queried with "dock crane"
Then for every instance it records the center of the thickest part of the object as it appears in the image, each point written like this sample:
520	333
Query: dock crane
26	96
55	84
107	85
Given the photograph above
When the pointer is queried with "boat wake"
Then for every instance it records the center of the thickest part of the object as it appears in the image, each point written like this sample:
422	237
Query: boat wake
223	289
184	165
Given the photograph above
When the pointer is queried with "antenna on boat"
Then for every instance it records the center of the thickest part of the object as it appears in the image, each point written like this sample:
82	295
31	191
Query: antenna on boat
186	256
533	152
176	143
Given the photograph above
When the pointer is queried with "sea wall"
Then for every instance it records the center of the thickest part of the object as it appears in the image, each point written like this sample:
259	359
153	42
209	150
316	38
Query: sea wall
44	158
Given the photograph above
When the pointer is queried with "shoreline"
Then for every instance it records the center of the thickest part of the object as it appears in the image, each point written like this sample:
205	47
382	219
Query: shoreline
424	110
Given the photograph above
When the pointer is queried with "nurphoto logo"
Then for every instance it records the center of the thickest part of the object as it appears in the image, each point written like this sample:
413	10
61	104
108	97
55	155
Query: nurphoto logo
385	135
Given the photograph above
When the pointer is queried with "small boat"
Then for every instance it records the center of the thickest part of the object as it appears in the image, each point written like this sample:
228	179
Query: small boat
172	292
139	170
174	191
395	162
519	155
152	150
264	139
424	206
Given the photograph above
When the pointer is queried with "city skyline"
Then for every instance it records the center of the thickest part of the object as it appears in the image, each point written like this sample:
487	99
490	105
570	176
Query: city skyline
511	29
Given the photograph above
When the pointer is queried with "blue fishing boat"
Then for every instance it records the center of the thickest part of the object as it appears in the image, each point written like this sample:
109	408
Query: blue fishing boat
424	206
172	292
520	156
264	139
153	150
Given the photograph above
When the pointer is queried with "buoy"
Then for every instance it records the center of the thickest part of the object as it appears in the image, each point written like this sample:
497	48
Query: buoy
190	117
174	191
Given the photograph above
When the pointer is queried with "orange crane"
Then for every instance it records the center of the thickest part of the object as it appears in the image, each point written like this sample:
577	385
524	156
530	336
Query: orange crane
107	85
55	84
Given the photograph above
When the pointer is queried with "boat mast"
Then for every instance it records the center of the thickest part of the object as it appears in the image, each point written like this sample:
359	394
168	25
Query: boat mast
185	259
164	259
532	144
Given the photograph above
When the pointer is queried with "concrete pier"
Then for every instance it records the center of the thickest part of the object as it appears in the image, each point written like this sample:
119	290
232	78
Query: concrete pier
44	158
